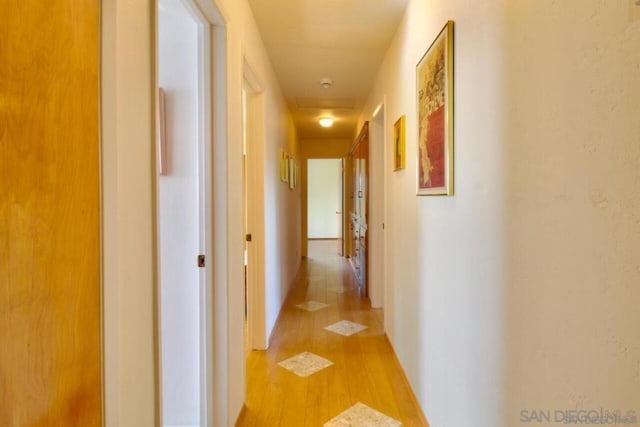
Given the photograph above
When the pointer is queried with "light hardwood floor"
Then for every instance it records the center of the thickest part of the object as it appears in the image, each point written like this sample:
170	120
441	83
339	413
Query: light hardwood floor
365	368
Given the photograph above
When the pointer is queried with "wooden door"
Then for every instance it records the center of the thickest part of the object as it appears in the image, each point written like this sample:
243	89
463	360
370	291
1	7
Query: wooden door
359	156
363	194
50	339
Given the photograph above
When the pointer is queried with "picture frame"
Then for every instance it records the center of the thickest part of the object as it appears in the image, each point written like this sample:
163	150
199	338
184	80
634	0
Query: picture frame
434	102
399	153
161	134
292	173
287	170
283	166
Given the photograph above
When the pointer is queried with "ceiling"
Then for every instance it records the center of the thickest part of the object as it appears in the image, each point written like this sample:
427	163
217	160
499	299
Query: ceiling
344	40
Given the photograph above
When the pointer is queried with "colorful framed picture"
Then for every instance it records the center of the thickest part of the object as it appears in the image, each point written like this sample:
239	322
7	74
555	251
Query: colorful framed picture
398	144
434	86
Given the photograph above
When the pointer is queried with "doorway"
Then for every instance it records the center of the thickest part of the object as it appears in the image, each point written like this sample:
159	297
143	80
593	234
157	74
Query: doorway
253	211
183	213
324	201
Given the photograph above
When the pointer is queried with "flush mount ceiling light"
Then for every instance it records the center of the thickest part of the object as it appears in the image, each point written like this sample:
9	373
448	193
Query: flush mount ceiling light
326	122
326	82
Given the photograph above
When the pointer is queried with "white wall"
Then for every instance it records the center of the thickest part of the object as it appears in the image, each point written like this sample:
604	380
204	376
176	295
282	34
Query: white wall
178	216
324	191
443	305
519	292
128	200
572	204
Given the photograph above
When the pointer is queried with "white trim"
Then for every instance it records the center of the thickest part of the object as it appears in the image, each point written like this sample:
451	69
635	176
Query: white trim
205	109
256	299
219	403
377	206
212	57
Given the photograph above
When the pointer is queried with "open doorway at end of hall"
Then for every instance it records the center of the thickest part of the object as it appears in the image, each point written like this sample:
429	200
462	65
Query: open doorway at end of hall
324	207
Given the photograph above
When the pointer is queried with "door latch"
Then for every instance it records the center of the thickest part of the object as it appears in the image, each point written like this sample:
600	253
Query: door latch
248	237
201	261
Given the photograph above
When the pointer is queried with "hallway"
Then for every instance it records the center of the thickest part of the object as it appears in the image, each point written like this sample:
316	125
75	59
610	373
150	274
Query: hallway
364	368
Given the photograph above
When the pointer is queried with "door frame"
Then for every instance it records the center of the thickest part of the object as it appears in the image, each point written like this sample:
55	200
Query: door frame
205	151
129	246
377	206
206	28
339	197
253	130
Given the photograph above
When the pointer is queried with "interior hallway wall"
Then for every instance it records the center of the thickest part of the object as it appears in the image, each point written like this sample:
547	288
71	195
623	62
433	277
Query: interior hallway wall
128	123
572	206
443	306
281	205
518	293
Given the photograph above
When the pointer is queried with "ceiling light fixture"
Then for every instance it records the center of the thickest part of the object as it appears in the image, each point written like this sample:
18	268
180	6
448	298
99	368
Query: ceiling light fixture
326	122
326	82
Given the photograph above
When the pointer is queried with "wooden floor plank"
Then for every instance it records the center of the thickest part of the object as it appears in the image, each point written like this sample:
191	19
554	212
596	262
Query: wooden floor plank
365	368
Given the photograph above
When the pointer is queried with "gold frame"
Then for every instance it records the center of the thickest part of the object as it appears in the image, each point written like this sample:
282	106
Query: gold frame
399	150
283	166
434	111
292	173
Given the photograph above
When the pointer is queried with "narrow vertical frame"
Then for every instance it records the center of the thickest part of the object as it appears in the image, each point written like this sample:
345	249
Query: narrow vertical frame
399	151
434	102
161	134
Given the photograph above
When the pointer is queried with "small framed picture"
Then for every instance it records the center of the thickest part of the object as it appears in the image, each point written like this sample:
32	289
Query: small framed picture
398	144
161	134
292	173
283	166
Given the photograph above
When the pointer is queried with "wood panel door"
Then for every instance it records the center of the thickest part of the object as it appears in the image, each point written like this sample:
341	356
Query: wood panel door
359	157
50	335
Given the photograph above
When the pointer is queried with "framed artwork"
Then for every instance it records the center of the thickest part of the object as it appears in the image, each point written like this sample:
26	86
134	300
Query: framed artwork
398	144
434	87
285	169
292	173
283	166
161	134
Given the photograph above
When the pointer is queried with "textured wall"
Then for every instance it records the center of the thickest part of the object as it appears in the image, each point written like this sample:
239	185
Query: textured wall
572	157
521	291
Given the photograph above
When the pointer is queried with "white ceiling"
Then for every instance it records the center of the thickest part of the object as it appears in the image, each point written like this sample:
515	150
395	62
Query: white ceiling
308	40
